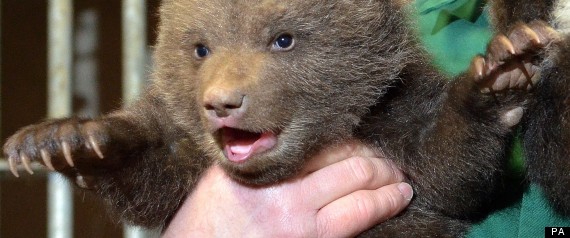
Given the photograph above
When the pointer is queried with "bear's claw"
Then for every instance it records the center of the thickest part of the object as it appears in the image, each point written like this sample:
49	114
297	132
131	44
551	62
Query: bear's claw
56	145
511	62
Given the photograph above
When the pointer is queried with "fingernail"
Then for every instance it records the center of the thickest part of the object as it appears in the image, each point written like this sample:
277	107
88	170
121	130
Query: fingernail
406	191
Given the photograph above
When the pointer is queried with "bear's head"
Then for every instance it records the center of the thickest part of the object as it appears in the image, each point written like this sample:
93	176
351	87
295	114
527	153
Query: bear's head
264	84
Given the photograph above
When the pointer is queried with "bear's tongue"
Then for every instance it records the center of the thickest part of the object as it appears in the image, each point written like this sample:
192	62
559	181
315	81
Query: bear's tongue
240	145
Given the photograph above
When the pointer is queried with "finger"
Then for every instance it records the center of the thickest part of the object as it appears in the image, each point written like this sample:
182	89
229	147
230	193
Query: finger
359	211
352	174
337	153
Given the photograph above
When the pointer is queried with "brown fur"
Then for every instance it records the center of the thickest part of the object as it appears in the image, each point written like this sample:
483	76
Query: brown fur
355	72
506	13
546	131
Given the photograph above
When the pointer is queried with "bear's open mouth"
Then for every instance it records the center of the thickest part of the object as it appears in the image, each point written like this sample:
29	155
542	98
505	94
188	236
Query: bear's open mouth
239	145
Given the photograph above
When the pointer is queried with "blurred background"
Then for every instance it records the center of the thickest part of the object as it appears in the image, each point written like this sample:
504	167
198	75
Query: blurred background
96	73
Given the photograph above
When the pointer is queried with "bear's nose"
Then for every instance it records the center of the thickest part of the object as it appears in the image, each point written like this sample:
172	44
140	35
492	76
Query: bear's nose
222	103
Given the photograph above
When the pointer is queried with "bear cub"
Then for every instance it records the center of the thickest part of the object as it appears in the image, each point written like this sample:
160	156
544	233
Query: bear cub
259	86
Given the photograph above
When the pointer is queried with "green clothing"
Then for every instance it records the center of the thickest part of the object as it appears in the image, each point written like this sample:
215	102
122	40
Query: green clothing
454	31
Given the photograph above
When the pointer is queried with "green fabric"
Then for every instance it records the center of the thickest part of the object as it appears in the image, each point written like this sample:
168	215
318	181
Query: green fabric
454	31
451	34
527	218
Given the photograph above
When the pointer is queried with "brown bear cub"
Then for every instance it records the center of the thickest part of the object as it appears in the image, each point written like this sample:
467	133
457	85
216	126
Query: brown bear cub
259	86
546	129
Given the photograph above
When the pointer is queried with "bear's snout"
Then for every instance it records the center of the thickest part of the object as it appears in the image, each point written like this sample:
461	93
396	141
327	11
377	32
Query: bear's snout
222	103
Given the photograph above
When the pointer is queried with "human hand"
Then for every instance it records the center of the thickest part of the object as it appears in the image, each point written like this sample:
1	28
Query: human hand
342	199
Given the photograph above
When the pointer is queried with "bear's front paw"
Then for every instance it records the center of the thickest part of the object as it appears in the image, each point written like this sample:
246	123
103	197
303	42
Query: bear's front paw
513	60
59	145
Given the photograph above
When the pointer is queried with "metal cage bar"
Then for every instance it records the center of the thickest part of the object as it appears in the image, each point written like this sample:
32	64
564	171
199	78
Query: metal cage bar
134	64
134	48
60	25
2	165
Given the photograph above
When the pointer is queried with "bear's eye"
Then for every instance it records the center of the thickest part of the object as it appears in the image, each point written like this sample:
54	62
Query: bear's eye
283	42
201	51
